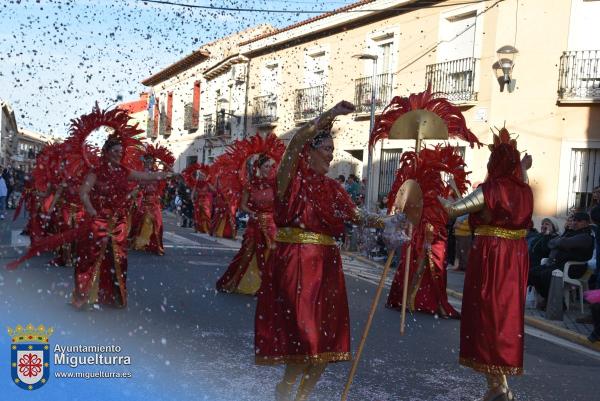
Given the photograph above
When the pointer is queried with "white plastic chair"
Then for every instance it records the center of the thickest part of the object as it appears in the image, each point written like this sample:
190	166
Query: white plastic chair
578	284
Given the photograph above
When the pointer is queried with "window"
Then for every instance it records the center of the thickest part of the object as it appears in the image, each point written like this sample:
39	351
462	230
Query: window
191	160
584	175
457	35
390	161
384	60
316	68
269	79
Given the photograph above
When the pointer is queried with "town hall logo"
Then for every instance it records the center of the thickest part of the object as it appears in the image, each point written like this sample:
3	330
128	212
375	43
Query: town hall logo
30	356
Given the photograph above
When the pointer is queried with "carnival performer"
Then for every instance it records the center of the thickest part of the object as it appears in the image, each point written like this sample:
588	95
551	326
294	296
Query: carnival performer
427	267
223	217
146	231
197	178
302	317
257	196
427	274
493	307
101	271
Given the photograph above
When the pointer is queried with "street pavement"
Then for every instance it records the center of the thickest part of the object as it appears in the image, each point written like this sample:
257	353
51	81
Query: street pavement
189	342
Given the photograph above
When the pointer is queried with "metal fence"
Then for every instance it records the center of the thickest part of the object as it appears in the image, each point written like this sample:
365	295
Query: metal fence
265	109
454	79
309	102
363	89
579	75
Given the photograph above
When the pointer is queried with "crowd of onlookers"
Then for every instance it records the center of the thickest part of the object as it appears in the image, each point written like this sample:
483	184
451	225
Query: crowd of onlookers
12	182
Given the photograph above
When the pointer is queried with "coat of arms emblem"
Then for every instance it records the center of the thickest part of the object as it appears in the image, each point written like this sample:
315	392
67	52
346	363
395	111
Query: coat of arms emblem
30	356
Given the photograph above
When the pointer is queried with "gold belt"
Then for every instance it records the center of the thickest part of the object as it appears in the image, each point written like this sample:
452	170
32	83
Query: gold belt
295	235
500	232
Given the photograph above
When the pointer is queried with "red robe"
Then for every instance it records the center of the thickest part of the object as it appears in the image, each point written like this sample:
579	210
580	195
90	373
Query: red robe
243	273
223	218
203	207
147	223
492	324
101	272
70	214
302	311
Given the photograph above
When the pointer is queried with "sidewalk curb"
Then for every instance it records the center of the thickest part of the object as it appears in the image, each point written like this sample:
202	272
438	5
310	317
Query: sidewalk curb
535	322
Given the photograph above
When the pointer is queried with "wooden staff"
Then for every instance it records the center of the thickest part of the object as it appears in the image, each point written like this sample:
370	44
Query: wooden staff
409	200
405	287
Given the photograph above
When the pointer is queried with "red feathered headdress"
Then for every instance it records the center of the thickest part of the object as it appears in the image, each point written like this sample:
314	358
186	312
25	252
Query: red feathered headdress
47	167
450	114
161	154
190	177
231	168
80	154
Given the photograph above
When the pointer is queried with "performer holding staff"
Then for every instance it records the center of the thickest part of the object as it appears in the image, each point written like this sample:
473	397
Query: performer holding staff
302	317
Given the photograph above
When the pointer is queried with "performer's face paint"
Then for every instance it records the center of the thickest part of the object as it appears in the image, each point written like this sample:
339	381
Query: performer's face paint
321	157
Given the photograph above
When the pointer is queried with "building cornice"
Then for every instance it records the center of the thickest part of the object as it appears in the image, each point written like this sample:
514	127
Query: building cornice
184	64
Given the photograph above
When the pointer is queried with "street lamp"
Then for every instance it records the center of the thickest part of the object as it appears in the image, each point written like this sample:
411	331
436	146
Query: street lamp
373	58
504	66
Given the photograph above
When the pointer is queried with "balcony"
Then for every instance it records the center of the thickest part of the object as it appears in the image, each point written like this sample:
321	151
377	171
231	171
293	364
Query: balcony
190	118
216	127
309	102
579	77
265	110
209	125
455	80
363	91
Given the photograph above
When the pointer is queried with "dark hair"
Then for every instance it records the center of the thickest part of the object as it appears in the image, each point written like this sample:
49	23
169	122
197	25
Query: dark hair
342	178
111	141
581	216
320	138
262	159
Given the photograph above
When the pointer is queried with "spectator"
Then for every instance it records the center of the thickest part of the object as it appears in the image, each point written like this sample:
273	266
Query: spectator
595	198
595	216
187	209
8	180
383	206
178	211
341	179
3	195
353	187
538	245
576	244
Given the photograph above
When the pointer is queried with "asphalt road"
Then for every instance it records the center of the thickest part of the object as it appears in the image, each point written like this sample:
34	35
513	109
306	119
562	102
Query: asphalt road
188	342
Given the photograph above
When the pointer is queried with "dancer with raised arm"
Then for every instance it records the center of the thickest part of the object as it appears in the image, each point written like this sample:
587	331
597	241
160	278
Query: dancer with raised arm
302	317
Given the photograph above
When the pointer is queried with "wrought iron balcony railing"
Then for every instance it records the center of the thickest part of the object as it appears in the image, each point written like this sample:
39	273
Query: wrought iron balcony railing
579	75
190	118
209	125
309	102
265	110
454	79
363	90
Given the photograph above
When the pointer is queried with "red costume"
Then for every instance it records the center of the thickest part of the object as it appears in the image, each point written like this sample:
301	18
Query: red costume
492	327
222	223
101	273
244	271
427	276
302	311
146	230
202	195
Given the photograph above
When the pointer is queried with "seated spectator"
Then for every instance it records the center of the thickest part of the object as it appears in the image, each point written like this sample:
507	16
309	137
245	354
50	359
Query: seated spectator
595	216
576	244
538	244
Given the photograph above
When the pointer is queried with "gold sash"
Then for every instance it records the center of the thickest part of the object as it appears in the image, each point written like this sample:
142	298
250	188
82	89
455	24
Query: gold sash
500	232
295	235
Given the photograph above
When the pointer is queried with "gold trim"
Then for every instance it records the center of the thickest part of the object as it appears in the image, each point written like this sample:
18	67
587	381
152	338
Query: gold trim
324	357
491	369
295	235
500	232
